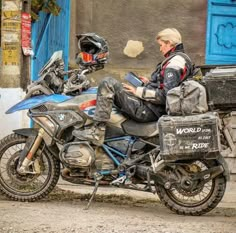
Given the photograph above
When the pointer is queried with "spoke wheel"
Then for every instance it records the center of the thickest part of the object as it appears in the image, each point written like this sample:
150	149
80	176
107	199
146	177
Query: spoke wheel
191	198
41	177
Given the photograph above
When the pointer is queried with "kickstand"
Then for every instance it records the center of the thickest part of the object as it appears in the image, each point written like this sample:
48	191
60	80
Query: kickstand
97	179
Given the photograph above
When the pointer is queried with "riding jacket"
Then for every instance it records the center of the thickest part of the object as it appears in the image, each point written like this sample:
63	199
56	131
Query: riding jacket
168	74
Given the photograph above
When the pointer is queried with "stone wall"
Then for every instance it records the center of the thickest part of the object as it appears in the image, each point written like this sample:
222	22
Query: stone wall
122	21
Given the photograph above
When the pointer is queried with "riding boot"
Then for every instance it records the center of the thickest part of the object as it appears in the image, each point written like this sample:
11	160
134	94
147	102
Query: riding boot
105	97
95	134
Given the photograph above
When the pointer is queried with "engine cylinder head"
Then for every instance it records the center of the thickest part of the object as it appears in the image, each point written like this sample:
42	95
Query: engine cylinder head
77	155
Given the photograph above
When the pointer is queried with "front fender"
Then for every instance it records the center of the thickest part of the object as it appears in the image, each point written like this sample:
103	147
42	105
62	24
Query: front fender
31	135
26	132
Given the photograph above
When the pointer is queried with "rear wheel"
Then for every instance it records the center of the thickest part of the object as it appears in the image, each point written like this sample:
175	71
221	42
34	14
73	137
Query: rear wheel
196	201
42	177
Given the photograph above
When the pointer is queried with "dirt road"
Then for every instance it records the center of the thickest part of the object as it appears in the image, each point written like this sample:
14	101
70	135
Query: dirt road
64	212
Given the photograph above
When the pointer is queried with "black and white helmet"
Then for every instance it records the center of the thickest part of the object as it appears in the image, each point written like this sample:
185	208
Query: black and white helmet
93	49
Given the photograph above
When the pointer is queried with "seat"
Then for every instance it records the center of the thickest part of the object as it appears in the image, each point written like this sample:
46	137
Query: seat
134	128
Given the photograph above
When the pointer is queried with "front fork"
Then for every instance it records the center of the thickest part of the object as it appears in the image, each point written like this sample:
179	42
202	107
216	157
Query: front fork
27	155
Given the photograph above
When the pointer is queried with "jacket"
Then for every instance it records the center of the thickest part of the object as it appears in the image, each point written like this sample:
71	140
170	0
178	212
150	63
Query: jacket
168	74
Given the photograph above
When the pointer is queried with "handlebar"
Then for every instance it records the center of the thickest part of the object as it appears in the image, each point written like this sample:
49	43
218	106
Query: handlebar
53	80
76	71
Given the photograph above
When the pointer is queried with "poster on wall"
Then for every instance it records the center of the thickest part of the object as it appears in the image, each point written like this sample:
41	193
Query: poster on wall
26	34
10	53
11	27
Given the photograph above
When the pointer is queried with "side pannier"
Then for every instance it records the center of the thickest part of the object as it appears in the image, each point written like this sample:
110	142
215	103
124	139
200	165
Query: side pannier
189	137
221	88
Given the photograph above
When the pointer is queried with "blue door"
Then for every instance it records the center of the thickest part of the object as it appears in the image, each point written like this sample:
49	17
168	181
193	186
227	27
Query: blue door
221	32
49	34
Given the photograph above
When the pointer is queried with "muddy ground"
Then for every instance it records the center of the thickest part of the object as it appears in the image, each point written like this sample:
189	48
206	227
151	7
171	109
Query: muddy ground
64	211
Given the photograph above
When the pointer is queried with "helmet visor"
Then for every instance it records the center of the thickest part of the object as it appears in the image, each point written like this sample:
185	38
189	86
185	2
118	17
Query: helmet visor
86	57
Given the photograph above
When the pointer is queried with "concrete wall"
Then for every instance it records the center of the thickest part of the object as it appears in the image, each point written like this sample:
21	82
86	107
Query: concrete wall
9	122
120	21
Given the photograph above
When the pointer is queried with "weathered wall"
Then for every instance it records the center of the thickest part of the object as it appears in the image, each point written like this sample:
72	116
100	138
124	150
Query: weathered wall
10	43
122	20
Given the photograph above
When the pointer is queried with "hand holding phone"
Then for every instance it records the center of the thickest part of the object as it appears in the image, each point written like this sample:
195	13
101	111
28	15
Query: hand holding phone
134	79
129	88
144	79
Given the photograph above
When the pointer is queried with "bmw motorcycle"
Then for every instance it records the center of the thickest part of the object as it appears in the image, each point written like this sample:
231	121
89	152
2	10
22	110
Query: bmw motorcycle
167	158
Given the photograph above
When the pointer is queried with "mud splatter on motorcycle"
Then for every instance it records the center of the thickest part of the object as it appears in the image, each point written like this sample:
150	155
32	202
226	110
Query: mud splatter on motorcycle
179	158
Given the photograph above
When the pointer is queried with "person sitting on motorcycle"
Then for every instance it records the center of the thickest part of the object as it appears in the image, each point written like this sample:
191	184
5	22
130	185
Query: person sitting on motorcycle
145	103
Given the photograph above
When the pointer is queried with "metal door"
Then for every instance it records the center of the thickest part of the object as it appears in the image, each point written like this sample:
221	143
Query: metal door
221	32
49	34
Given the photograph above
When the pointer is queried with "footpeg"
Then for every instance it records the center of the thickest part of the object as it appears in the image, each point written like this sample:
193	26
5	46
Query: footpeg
120	180
157	166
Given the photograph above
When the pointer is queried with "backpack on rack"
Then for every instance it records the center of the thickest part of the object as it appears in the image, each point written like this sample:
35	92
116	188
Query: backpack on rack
188	98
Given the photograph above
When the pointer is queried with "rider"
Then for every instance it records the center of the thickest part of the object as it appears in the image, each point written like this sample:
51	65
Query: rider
145	103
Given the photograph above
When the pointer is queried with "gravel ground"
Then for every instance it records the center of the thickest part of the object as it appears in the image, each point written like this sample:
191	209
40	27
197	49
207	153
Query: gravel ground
64	211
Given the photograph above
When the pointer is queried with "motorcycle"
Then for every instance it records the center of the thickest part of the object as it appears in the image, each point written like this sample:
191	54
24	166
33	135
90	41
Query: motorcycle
134	155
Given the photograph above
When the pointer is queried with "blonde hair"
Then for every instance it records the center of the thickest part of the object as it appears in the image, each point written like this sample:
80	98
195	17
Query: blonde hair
170	34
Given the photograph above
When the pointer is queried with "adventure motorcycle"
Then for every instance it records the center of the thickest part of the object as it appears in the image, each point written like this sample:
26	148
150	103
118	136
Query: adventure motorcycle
157	157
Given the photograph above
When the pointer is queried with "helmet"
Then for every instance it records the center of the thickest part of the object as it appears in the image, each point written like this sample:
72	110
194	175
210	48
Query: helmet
93	50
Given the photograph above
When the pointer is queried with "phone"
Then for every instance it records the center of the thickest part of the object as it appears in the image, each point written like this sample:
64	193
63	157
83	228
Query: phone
134	79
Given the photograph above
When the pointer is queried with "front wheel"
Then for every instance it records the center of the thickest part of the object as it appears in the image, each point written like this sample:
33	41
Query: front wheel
198	201
38	182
